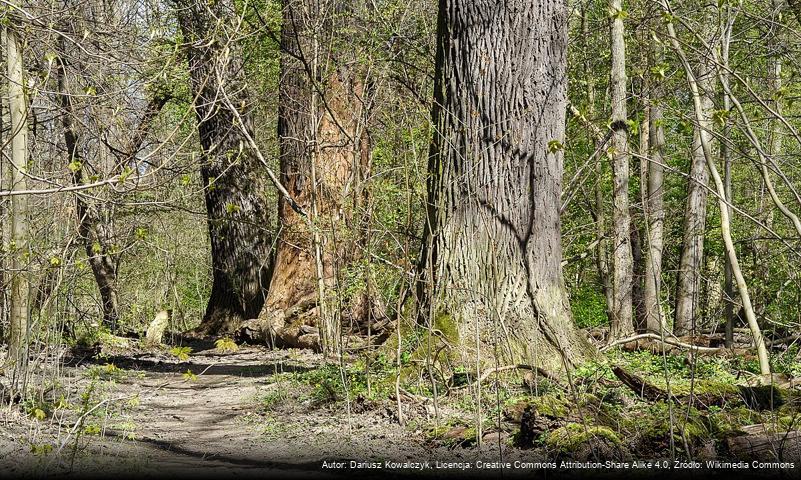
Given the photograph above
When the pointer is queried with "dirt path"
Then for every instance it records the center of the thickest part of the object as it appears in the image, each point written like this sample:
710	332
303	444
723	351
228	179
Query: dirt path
211	423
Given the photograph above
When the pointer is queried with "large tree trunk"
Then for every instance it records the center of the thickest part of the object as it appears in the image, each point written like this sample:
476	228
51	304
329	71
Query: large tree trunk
622	323
493	254
323	153
19	301
238	214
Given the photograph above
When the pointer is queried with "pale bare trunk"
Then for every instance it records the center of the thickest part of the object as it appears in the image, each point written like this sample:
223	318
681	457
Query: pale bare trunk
18	106
622	263
725	152
689	281
655	218
688	285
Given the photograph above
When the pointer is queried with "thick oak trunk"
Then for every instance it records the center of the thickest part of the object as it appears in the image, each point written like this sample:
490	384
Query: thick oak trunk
493	247
238	213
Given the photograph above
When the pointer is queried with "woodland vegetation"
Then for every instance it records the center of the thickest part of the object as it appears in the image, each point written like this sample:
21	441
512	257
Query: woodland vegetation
235	232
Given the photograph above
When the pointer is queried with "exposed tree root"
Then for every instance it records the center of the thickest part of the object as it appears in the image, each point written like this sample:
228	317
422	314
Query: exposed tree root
505	368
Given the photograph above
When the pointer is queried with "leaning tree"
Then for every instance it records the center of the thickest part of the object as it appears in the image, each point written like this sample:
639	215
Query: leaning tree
491	260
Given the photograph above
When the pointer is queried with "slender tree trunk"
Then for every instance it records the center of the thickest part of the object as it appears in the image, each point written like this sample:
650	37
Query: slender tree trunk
725	152
602	250
19	295
322	141
725	219
691	264
238	214
95	228
688	285
493	256
622	323
654	214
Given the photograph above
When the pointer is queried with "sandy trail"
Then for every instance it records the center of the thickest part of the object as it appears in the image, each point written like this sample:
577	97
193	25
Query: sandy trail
212	425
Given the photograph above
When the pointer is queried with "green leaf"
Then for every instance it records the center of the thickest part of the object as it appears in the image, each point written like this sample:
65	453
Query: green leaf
226	344
181	353
720	117
659	71
74	166
141	233
634	126
126	172
616	14
555	146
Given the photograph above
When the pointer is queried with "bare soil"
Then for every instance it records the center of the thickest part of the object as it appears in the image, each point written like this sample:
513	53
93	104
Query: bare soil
146	417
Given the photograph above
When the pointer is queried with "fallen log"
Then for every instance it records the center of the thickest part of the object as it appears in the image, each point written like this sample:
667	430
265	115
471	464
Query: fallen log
665	340
755	397
769	447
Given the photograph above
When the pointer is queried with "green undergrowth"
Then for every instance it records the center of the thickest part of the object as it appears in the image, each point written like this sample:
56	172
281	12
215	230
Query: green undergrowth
596	409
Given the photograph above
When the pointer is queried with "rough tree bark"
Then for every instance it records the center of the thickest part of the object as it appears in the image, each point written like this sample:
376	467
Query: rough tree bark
18	107
492	239
622	323
238	214
323	154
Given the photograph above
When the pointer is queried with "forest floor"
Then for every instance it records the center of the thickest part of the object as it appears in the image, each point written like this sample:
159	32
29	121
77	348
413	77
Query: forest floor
208	414
202	410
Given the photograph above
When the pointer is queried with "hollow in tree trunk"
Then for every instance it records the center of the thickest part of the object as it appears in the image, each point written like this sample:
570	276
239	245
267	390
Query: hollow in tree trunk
322	147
